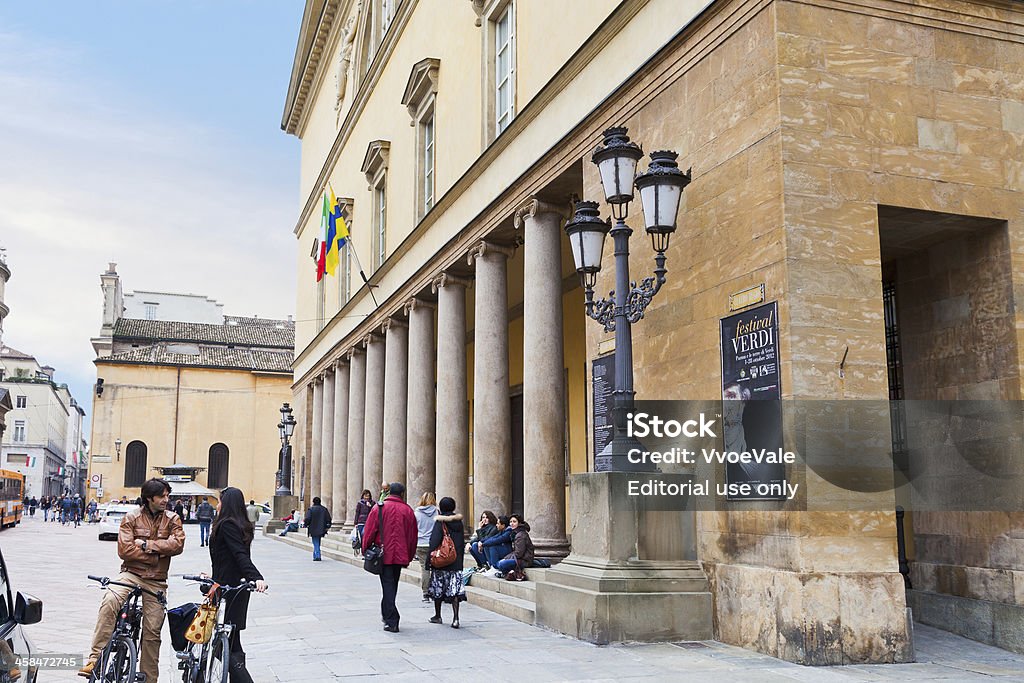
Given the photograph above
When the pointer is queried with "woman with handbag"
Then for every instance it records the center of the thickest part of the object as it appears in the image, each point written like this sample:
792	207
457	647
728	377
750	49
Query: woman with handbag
230	545
447	545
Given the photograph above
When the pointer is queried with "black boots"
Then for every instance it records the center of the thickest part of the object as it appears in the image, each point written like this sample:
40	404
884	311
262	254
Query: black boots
237	671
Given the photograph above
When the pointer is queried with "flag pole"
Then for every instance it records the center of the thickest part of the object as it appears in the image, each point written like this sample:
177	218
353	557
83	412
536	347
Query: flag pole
352	246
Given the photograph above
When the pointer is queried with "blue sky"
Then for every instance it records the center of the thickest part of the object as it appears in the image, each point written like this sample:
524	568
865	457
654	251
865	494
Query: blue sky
145	133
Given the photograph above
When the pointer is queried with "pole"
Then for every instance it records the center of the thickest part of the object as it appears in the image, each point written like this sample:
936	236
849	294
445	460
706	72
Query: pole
614	456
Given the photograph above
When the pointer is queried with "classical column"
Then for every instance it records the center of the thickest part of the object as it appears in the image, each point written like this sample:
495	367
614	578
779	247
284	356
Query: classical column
419	443
373	436
317	443
327	442
356	415
452	429
300	459
340	482
396	388
492	418
543	377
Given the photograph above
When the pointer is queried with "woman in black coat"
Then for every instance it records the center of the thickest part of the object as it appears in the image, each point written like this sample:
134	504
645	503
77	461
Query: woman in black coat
446	582
230	544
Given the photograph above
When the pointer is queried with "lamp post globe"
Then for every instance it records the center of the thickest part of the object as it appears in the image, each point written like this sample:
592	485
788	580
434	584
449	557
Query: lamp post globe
616	159
587	232
661	191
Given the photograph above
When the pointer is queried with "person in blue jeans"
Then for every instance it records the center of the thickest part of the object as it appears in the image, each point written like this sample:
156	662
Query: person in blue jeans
205	514
318	521
522	547
500	544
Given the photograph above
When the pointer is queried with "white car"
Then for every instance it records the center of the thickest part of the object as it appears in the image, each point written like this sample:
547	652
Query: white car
110	521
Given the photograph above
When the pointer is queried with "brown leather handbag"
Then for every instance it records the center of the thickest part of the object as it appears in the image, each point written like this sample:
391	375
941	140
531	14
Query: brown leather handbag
444	554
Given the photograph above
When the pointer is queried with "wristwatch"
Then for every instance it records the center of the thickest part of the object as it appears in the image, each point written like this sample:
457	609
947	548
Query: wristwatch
144	543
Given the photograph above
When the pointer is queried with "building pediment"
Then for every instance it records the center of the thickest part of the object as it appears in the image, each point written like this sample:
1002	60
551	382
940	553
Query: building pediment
376	158
421	85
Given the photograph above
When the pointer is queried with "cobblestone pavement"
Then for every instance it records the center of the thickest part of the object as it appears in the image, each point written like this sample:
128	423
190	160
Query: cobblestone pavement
321	622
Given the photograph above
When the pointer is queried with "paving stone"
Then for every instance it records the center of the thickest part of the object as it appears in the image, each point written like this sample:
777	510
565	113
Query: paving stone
320	622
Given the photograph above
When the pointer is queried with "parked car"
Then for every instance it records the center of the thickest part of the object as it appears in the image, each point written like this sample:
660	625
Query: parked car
266	513
16	610
110	521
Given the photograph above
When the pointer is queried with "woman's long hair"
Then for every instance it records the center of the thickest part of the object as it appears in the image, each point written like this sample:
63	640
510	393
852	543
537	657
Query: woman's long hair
232	511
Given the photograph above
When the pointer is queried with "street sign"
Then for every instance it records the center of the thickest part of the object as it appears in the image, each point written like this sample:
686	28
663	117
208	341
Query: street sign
96	481
99	493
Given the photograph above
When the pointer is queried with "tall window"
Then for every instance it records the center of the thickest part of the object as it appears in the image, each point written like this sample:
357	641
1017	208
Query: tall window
428	162
387	15
21	402
135	464
217	473
344	275
380	221
894	363
19	431
505	67
150	311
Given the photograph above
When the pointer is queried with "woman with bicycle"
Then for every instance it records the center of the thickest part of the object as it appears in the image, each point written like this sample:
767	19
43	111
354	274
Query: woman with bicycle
230	546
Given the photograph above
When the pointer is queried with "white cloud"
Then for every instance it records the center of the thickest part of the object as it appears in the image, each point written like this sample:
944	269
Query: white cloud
89	174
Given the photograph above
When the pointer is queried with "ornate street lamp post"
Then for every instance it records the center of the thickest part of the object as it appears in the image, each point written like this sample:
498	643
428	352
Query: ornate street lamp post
286	427
661	189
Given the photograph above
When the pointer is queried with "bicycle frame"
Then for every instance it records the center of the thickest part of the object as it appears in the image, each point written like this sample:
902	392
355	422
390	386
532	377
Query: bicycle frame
222	629
129	621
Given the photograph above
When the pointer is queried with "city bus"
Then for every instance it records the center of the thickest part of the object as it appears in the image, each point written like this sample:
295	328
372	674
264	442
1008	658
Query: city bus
12	493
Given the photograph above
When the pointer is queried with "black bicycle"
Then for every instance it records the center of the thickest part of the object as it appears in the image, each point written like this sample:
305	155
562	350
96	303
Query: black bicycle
211	662
119	661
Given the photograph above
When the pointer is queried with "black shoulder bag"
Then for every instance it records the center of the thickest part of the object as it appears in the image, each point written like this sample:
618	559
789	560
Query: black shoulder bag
373	558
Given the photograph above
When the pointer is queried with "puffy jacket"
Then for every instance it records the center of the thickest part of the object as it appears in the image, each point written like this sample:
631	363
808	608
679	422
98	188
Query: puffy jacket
164	538
522	546
499	538
399	534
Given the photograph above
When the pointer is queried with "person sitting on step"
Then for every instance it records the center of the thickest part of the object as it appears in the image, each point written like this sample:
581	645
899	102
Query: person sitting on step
521	556
499	544
488	527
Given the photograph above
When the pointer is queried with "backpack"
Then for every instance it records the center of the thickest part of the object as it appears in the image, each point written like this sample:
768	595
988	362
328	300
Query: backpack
444	554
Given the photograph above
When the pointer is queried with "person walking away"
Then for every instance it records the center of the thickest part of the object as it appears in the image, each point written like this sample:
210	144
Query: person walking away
93	509
521	556
363	508
446	582
205	514
498	545
65	510
488	527
76	510
32	505
318	521
45	505
231	557
179	509
398	536
425	512
146	541
252	511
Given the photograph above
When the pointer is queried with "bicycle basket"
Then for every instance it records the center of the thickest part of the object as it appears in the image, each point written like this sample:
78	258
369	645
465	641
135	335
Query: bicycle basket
178	620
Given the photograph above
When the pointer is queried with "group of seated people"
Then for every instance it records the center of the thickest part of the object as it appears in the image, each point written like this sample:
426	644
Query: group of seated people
501	544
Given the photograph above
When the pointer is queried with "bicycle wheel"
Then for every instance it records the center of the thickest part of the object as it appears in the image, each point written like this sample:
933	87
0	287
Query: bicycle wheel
118	662
218	663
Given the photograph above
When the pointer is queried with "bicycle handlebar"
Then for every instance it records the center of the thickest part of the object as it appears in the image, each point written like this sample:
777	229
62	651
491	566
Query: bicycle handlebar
105	581
207	581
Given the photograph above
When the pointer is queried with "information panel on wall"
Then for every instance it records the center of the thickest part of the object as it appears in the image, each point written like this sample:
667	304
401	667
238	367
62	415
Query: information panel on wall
751	393
603	384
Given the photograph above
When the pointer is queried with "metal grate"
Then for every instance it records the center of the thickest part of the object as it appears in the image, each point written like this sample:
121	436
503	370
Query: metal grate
894	364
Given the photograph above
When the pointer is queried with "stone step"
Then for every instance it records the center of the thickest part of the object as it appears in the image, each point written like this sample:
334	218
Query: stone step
513	599
506	605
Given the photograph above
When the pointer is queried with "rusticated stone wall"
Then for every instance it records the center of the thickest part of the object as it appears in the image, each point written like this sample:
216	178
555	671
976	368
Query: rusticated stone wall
799	120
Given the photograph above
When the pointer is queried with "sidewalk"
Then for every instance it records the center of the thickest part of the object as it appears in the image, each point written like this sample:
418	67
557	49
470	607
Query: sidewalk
321	622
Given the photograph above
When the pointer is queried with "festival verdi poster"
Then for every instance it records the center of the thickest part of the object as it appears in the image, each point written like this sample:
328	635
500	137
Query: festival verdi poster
751	393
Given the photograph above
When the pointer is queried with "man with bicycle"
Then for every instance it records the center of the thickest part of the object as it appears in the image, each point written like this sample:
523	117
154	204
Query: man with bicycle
147	540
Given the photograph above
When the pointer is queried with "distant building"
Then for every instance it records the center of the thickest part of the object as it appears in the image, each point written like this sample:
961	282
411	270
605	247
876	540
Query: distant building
40	421
43	439
203	391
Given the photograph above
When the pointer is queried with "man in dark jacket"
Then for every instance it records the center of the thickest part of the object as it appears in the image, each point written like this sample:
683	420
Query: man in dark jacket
398	538
318	521
205	514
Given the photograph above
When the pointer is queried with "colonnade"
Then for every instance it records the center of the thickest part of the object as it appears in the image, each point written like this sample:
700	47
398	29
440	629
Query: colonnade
376	415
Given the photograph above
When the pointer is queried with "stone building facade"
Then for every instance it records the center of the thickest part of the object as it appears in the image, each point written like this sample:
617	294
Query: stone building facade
188	393
839	151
